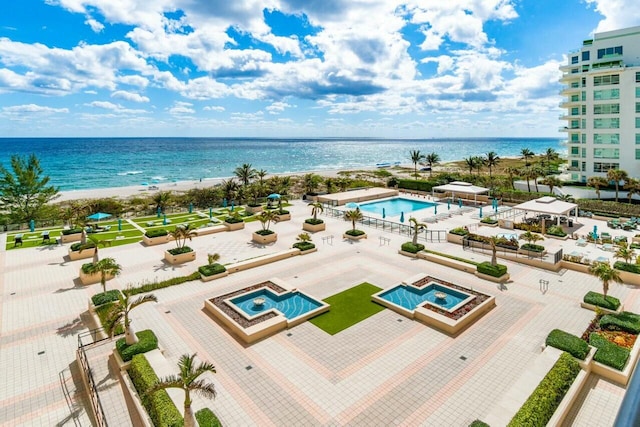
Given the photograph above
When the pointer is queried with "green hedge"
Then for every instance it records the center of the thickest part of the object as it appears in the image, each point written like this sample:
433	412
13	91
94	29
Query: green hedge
556	231
625	321
623	266
354	232
147	341
265	232
232	220
545	399
159	406
76	246
86	267
492	270
304	246
152	286
597	299
570	343
103	311
489	220
179	251
212	269
478	423
206	418
413	184
459	231
156	233
410	247
105	297
532	247
71	231
313	221
608	353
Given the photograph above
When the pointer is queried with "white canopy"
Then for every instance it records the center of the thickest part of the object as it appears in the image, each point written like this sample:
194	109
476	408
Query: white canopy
547	205
461	188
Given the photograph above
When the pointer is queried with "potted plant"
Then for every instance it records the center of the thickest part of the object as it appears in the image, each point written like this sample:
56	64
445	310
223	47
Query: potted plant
181	253
282	214
304	243
156	237
119	315
530	248
354	234
234	221
265	235
88	248
100	271
213	269
254	191
314	224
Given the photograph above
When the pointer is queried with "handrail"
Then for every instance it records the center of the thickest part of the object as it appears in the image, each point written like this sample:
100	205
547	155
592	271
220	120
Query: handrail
94	397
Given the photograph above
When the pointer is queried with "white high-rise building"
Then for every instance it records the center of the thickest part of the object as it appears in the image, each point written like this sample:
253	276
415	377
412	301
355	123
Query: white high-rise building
602	99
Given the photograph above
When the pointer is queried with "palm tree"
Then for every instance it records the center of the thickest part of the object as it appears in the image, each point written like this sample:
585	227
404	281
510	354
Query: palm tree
535	174
526	154
633	187
267	217
181	234
311	182
606	274
512	173
491	159
261	174
94	242
229	188
245	174
528	174
187	380
432	159
617	175
530	237
353	216
479	163
550	155
343	183
416	157
625	252
161	199
213	258
493	241
552	182
417	228
329	183
597	182
105	267
303	237
471	163
316	207
119	315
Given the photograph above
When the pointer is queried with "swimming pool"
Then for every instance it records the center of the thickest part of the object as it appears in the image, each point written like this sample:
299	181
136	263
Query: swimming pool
508	236
291	305
394	207
410	298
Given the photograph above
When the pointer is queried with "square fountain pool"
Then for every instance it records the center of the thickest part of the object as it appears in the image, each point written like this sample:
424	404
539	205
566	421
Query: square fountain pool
410	297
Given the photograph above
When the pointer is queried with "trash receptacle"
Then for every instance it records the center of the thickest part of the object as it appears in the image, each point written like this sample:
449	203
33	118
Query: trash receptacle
570	223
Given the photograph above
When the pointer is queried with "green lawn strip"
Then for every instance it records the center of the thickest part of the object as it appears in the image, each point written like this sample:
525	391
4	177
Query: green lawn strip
348	308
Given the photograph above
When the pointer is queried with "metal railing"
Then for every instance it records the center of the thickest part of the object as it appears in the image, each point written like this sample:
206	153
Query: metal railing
485	248
94	397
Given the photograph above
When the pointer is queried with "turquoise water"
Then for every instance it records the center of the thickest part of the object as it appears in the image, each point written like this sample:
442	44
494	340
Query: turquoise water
411	298
508	235
393	207
81	163
291	305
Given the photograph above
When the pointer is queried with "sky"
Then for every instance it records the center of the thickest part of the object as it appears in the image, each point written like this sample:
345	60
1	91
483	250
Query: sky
291	68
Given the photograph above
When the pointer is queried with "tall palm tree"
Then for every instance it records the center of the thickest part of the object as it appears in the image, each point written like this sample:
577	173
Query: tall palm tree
119	315
245	174
316	207
606	274
162	199
432	159
511	174
105	267
551	182
536	173
493	242
550	155
181	234
617	175
526	154
633	187
229	188
416	157
479	163
311	182
417	228
261	174
353	216
597	182
343	183
187	380
470	163
528	174
491	159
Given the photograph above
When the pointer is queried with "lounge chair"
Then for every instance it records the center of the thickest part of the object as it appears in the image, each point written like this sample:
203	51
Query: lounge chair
581	242
17	239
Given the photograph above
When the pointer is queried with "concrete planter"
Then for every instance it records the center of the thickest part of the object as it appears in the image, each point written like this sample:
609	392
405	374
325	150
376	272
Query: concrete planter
486	224
86	253
532	254
308	251
350	237
313	228
234	226
550	236
213	277
269	238
179	259
254	209
604	310
283	217
152	241
90	279
502	279
454	238
630	278
68	238
635	239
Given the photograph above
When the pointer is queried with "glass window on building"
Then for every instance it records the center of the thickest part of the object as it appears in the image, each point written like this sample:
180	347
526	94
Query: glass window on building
574	59
637	107
574	164
584	138
604	167
584	166
638	92
637	153
585	55
584	81
637	76
584	96
584	153
575	137
610	51
609	79
637	122
606	109
606	138
575	151
610	123
575	111
606	153
604	94
637	138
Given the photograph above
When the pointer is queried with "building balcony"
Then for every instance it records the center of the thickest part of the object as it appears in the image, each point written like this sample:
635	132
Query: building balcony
569	104
570	89
567	128
569	116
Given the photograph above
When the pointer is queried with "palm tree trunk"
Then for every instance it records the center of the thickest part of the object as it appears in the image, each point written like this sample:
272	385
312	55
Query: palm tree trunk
130	336
536	182
494	258
189	420
616	191
528	185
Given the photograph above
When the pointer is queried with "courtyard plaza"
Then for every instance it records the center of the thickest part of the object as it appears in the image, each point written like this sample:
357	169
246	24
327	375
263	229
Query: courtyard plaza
385	370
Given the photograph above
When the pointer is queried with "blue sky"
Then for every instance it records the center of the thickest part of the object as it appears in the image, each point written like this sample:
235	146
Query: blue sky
280	68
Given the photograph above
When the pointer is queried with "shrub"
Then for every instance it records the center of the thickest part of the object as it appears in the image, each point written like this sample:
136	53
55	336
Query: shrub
624	266
156	233
159	405
460	231
556	231
313	221
105	297
543	402
232	220
103	311
597	299
492	270
608	353
283	212
178	251
212	269
71	231
206	418
354	232
489	220
147	341
478	423
76	246
152	286
410	247
264	232
570	343
532	247
86	267
625	321
304	246
412	184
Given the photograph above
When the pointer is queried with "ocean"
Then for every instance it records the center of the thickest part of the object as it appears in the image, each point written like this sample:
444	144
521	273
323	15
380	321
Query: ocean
88	163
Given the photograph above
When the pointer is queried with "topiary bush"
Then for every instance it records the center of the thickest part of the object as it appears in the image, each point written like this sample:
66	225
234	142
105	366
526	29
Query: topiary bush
624	266
532	247
206	418
71	231
212	269
156	233
147	341
354	233
159	405
411	248
313	221
608	353
76	246
492	270
545	399
265	232
105	297
599	300
178	251
304	246
625	321
570	343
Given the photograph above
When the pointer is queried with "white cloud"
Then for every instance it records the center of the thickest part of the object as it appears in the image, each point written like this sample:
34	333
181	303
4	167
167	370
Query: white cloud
33	108
277	107
217	108
617	14
96	26
181	108
129	96
117	108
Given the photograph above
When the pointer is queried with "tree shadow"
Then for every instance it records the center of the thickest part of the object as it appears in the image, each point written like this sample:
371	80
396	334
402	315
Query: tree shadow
77	285
72	328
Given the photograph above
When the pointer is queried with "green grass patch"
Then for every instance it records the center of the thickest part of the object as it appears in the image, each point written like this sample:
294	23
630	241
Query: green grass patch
348	308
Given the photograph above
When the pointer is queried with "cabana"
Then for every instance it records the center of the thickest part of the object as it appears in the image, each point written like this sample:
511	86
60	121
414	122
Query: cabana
548	205
461	187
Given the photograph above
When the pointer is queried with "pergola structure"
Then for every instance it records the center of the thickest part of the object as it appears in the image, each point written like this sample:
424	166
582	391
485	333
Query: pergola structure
550	206
461	187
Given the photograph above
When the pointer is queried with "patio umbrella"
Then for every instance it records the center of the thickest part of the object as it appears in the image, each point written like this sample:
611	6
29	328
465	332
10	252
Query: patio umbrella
401	216
384	213
435	209
448	204
233	203
480	211
164	220
119	224
32	225
595	231
145	184
159	211
459	202
211	211
190	207
352	205
224	202
98	216
273	196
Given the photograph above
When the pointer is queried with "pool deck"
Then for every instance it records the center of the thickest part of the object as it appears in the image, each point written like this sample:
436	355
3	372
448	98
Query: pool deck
356	196
386	370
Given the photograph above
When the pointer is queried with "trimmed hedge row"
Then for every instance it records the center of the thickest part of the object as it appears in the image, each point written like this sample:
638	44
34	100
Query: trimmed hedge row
625	321
570	343
105	297
147	341
159	406
545	399
206	418
232	220
354	232
532	247
608	353
313	221
599	300
412	184
152	286
71	231
212	269
411	248
625	266
76	246
179	251
304	246
156	233
492	270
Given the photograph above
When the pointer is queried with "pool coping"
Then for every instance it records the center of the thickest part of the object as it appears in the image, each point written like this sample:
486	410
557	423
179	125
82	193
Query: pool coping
399	196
